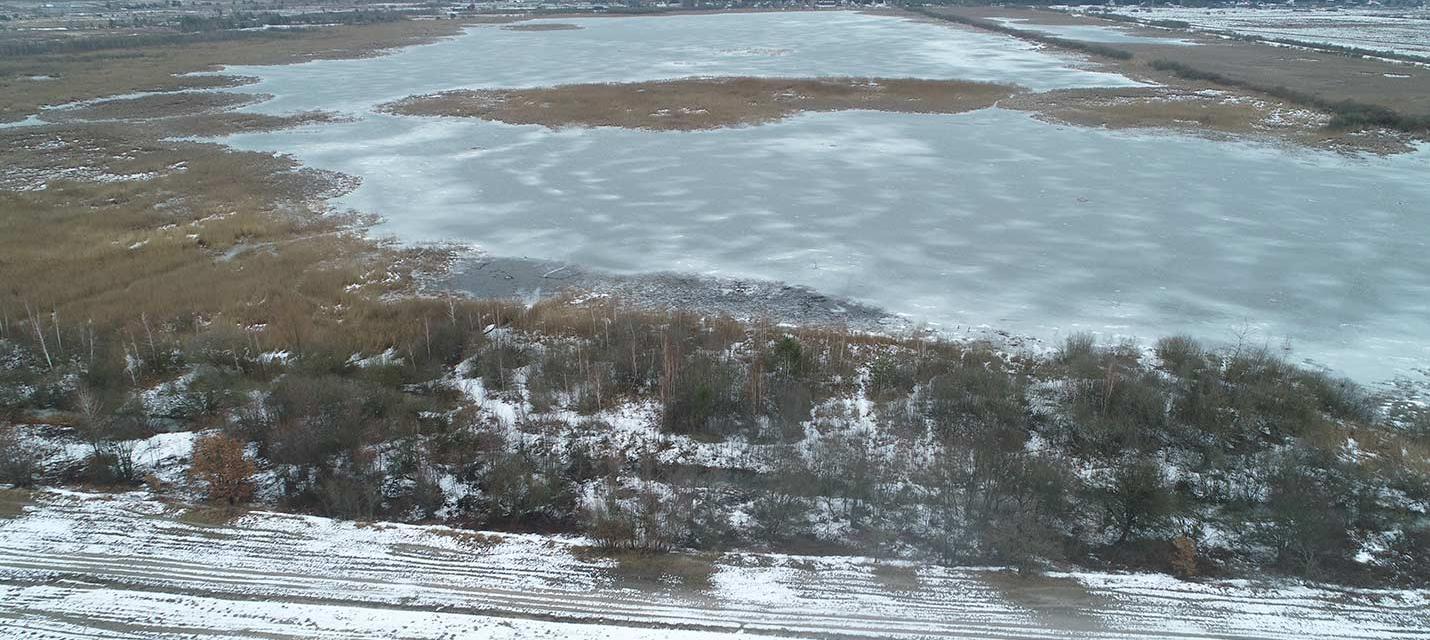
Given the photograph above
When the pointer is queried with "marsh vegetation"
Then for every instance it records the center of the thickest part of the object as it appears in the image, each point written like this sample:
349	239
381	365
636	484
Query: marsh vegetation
703	103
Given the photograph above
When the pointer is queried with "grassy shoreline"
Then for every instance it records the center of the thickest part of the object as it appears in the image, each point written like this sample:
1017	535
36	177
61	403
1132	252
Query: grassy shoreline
163	67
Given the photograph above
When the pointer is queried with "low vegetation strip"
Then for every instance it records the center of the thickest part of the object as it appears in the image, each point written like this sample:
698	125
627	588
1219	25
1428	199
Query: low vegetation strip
193	29
1202	112
163	105
988	25
544	26
245	20
100	43
702	103
1345	114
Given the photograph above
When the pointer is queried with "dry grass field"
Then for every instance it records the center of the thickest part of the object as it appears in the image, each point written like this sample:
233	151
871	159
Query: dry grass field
167	105
186	113
175	234
107	228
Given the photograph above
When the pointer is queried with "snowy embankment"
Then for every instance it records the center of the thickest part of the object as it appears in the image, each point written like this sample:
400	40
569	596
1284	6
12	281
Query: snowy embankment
128	566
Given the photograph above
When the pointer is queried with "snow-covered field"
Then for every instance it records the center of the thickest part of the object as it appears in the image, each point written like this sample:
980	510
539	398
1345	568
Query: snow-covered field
989	218
1404	30
77	565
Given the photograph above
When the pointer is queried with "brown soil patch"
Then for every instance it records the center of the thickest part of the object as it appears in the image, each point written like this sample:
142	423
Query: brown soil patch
1058	601
897	577
691	572
550	26
13	501
702	103
210	515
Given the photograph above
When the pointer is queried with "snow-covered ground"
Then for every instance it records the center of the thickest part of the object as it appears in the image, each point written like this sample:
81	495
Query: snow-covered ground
77	565
1405	30
989	218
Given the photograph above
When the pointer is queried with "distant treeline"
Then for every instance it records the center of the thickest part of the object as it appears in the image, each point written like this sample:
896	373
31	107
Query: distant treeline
1166	24
254	20
202	29
1346	114
99	43
1086	47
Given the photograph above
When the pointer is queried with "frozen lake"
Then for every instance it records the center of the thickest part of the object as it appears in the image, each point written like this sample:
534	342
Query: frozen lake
985	218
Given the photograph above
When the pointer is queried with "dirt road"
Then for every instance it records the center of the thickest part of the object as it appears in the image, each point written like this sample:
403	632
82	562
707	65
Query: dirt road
76	565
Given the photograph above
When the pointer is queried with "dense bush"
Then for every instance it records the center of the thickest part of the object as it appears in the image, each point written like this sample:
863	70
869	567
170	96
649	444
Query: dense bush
972	402
704	395
219	462
1137	500
519	491
19	462
307	420
1314	511
353	491
1196	458
647	522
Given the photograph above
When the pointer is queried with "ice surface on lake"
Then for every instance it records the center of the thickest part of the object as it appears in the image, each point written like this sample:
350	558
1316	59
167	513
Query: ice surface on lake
986	218
796	44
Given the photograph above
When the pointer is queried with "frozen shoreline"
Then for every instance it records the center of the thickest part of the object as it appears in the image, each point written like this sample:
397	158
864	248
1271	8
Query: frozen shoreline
989	218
